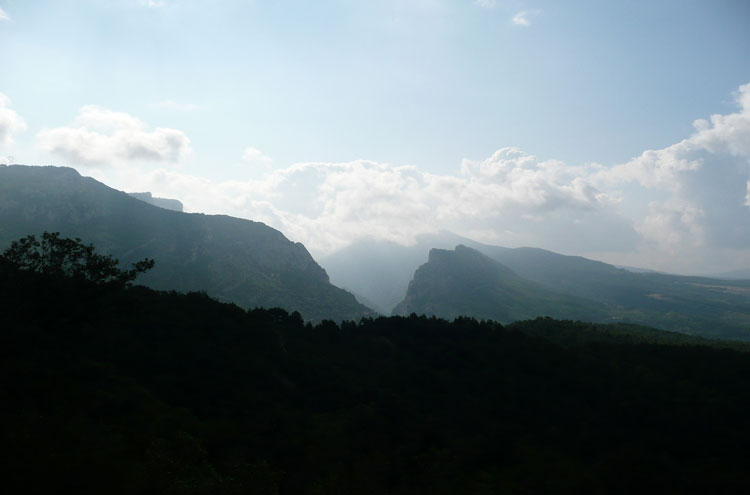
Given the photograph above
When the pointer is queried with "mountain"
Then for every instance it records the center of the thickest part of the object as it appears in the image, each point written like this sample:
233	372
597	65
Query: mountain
466	282
636	269
734	275
379	271
385	276
694	305
232	259
168	204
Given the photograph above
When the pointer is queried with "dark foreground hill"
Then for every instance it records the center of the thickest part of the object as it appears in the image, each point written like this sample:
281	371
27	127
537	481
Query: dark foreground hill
134	391
231	259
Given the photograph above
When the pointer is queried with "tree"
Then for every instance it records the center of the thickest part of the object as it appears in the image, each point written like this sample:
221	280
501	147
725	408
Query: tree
71	258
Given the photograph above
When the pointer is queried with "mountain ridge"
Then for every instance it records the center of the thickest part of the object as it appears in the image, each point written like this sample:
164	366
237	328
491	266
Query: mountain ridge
465	282
232	259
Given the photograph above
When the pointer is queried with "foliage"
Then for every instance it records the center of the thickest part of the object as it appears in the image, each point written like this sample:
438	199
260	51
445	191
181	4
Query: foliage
149	392
54	255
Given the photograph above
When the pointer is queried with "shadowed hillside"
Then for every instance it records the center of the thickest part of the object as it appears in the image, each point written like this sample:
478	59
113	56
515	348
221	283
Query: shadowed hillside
231	259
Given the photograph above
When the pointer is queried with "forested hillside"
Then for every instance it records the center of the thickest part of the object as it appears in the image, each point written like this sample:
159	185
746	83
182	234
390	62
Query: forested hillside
109	389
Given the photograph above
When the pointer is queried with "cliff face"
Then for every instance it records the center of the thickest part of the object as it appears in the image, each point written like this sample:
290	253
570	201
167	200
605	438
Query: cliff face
167	204
464	282
231	259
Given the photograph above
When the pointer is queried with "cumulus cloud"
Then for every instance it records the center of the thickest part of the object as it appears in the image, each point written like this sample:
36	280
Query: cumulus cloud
99	136
672	227
510	197
523	18
539	186
673	208
702	180
255	156
10	121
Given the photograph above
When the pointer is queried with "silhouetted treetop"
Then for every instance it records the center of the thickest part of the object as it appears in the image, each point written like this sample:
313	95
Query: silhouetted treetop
59	256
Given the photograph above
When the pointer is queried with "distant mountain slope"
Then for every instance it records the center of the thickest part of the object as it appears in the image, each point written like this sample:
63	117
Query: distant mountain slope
693	305
380	271
232	259
734	275
466	282
168	204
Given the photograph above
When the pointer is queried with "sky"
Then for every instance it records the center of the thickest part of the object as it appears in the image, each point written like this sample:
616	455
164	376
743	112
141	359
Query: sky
616	130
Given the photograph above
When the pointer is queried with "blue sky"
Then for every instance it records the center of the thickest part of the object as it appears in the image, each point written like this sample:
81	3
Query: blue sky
256	108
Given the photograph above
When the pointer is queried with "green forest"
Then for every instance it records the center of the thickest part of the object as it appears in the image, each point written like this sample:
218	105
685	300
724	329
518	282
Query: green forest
110	387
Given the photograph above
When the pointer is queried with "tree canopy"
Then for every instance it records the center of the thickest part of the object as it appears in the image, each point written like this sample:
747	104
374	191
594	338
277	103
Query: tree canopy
59	256
139	391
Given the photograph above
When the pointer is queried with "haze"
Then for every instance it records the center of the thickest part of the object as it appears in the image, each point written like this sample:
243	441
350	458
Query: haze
620	132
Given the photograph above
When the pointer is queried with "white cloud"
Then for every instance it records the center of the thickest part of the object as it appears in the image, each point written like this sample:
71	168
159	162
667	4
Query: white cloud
99	136
488	4
522	18
255	156
328	205
705	174
10	121
672	227
173	105
4	16
681	208
539	186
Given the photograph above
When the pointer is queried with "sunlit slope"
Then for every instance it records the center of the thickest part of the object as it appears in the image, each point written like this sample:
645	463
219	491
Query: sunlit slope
466	282
232	259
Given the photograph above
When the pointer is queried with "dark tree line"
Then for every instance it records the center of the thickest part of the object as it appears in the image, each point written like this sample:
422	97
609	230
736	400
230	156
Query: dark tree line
136	391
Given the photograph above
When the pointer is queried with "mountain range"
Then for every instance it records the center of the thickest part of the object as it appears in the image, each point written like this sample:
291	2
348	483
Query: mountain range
570	287
466	282
231	259
254	265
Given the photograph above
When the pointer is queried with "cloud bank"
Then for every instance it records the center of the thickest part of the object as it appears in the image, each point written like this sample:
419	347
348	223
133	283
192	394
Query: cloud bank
683	208
703	180
328	205
99	136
